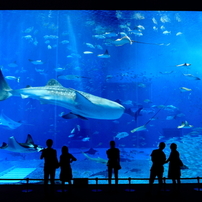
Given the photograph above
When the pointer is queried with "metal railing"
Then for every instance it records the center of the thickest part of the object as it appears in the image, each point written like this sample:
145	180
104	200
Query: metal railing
129	179
84	181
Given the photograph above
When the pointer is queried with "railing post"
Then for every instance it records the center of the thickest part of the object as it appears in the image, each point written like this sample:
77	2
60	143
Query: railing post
96	179
164	184
129	182
198	180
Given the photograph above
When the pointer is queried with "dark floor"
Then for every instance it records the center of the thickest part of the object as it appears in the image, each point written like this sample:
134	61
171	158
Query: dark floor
89	193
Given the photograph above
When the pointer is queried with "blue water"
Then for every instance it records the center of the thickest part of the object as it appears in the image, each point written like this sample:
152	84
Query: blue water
147	74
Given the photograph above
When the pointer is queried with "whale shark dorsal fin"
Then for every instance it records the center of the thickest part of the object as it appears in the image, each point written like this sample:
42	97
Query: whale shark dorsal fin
53	82
29	139
80	98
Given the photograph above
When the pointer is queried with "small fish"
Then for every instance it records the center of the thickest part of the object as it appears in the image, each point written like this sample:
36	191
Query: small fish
39	70
109	77
64	42
13	64
70	136
170	117
70	77
147	101
50	37
85	139
191	77
141	85
140	128
99	47
185	124
155	28
178	33
49	47
99	36
164	19
140	27
154	20
47	41
59	69
35	42
36	62
75	130
13	78
183	89
29	37
166	32
90	45
87	52
105	55
110	34
162	27
121	135
28	30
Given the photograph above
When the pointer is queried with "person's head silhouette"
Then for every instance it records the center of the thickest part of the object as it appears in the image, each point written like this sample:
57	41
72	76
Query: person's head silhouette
64	149
49	143
162	145
173	146
112	144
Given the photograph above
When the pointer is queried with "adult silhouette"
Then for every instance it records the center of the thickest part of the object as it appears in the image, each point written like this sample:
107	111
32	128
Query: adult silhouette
113	155
50	163
174	168
65	166
158	158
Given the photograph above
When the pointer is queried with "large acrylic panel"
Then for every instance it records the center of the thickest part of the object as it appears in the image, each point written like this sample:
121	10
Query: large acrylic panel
146	60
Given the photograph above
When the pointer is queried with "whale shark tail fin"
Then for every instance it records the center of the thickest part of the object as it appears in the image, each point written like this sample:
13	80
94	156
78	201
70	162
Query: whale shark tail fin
4	88
132	113
129	111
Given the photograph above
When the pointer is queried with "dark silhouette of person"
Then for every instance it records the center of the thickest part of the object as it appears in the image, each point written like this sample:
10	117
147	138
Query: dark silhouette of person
113	155
158	158
174	167
50	164
65	166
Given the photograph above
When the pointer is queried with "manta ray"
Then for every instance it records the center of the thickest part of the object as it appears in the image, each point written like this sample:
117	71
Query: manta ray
8	123
27	147
81	104
91	151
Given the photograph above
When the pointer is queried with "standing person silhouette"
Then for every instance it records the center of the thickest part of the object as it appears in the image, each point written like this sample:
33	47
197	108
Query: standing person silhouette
174	167
66	171
113	155
158	158
50	164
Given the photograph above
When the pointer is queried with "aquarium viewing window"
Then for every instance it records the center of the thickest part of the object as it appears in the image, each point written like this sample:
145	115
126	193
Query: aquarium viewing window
86	77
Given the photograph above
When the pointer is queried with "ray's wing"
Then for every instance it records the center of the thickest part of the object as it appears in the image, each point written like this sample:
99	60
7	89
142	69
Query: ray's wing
13	145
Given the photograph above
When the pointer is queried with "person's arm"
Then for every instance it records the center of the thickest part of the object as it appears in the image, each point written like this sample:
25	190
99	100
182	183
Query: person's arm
166	161
107	152
72	158
42	154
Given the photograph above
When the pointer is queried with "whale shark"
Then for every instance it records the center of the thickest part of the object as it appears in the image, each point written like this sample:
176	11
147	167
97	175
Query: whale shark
27	147
80	104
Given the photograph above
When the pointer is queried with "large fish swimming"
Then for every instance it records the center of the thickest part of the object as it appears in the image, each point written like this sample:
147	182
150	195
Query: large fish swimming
7	123
80	104
27	147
